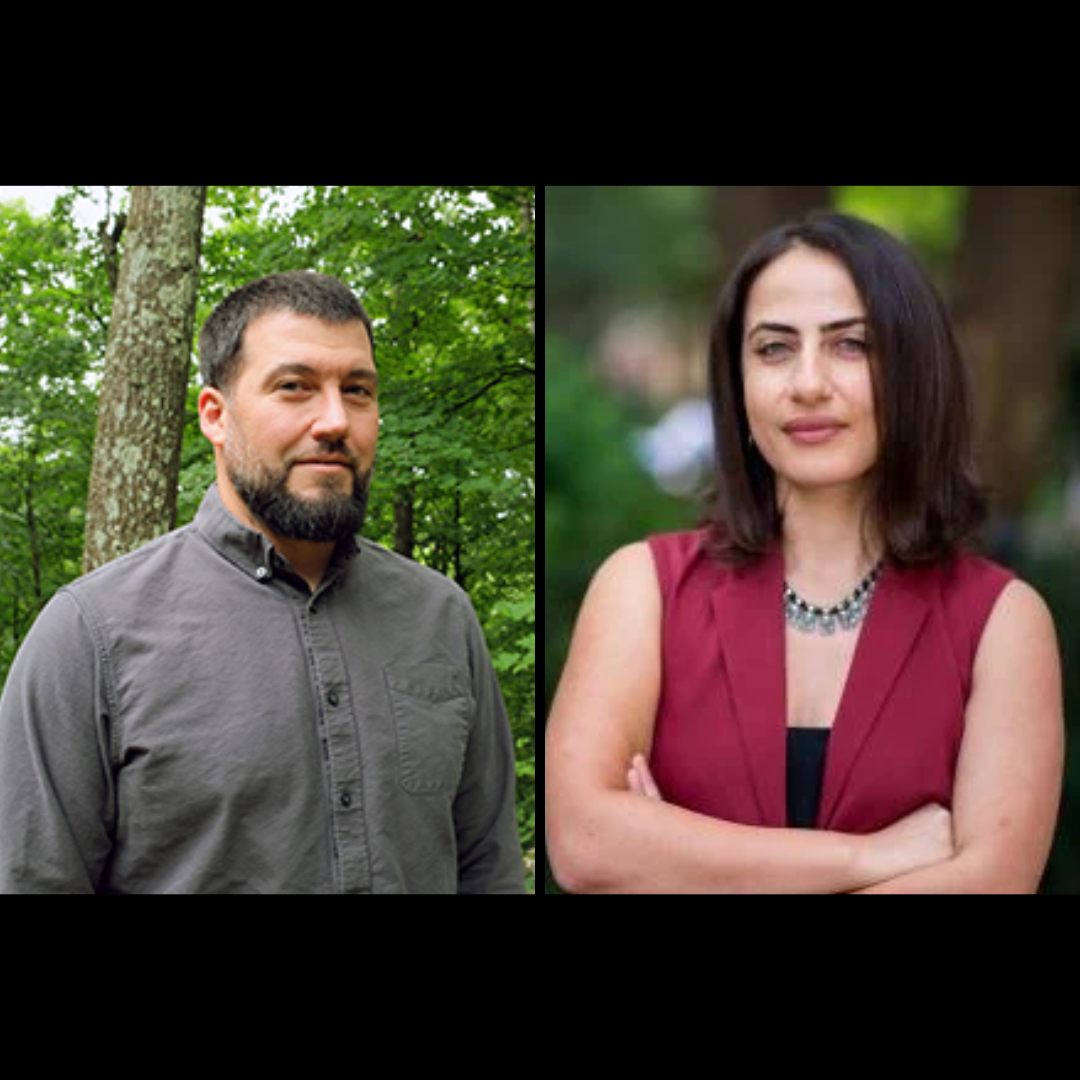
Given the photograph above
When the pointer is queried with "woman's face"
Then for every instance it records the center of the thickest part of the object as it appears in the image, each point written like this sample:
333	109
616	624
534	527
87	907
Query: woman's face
806	372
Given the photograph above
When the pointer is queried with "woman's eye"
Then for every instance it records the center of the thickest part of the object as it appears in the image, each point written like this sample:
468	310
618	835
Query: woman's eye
854	346
772	350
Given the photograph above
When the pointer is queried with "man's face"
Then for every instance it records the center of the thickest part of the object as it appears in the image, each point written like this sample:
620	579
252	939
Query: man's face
298	431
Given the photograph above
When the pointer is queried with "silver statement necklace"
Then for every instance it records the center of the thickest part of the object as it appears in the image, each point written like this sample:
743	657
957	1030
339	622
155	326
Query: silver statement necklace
808	618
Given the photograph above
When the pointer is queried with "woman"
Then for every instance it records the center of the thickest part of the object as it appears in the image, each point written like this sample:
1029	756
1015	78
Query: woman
824	691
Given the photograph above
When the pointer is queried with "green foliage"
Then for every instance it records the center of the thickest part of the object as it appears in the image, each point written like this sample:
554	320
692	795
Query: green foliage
54	307
596	496
511	634
1055	576
627	246
928	218
448	275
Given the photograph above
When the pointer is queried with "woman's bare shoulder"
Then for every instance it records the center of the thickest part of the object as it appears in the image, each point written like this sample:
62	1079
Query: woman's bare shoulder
622	608
630	566
1020	620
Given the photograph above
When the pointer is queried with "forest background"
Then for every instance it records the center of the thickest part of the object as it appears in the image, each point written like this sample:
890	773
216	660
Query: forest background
630	280
448	276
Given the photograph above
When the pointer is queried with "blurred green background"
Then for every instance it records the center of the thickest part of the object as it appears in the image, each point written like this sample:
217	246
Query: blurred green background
631	275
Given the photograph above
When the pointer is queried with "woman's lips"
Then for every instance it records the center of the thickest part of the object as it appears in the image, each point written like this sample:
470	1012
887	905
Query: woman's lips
811	432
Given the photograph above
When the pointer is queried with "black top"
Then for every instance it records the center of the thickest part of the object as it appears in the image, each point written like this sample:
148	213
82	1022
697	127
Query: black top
805	767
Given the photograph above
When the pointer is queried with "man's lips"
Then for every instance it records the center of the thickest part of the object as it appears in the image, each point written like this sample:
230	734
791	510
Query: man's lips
328	462
330	466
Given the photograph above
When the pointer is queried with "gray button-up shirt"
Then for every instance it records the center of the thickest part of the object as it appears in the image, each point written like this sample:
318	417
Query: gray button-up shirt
192	719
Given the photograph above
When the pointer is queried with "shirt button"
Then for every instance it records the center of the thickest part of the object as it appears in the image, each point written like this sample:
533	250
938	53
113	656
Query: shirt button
262	573
346	800
333	699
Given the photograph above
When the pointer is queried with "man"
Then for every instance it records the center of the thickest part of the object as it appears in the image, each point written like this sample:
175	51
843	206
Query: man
259	702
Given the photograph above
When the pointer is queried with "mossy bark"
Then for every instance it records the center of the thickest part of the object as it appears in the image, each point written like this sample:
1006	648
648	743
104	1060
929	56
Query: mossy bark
136	469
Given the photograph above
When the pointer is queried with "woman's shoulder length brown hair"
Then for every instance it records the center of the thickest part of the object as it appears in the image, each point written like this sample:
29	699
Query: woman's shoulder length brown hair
926	501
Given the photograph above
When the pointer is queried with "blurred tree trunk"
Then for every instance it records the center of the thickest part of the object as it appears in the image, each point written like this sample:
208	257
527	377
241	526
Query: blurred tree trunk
136	468
405	523
742	213
1011	291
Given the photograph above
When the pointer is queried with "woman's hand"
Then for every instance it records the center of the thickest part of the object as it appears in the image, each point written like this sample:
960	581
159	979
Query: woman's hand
641	781
921	839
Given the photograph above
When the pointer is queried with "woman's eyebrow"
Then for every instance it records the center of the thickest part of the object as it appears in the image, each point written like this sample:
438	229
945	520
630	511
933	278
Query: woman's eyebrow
825	328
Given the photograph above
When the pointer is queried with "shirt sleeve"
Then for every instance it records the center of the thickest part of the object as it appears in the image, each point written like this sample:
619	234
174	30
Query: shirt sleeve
56	789
489	844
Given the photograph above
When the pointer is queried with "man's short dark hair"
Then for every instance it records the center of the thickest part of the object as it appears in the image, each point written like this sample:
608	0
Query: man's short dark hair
301	292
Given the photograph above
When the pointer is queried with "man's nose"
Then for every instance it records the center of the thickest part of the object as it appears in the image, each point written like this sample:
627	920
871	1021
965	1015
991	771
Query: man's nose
332	423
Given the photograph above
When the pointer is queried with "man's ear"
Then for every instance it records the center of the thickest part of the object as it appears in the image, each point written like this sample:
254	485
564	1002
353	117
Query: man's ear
213	407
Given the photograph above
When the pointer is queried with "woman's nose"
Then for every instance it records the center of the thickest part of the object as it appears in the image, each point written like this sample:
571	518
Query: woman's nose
809	378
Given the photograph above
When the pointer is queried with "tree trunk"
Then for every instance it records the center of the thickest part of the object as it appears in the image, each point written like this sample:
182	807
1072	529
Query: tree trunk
34	534
147	366
1010	298
525	207
743	213
459	564
404	526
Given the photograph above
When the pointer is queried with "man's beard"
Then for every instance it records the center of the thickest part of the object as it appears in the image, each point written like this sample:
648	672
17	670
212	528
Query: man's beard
325	519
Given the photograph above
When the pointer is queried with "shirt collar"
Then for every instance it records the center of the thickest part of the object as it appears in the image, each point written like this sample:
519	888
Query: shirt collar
249	550
245	548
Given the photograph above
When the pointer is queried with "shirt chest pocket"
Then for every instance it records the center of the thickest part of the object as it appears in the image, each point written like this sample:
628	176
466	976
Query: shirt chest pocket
432	709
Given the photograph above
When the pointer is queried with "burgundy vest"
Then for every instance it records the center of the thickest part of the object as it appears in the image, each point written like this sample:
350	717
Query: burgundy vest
721	729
